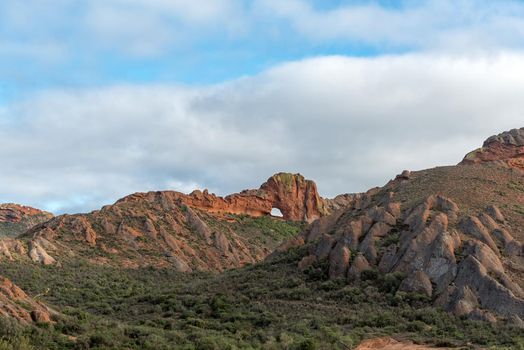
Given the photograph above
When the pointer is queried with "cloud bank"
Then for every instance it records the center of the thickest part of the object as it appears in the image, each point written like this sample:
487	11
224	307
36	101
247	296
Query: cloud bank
348	123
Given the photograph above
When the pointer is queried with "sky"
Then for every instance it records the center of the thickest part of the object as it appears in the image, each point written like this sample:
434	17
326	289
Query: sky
103	98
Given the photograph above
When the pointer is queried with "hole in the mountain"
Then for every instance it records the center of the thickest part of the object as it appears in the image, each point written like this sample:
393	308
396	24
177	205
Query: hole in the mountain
276	212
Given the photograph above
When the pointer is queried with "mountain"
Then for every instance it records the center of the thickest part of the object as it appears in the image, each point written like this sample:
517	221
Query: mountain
16	219
455	233
433	259
199	231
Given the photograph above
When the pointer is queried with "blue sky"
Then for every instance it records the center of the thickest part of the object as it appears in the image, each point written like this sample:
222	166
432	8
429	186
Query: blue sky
99	98
82	43
71	43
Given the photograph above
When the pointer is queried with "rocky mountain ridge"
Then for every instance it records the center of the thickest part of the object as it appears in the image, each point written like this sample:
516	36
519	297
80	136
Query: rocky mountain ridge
296	197
453	258
389	261
506	148
16	219
455	234
199	231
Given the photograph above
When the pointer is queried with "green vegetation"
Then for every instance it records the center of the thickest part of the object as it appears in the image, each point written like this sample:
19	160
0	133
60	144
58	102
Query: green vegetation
287	179
516	186
265	226
265	306
473	154
519	209
11	229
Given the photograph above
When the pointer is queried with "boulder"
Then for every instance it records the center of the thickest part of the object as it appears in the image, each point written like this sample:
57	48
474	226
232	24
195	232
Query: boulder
495	213
38	254
417	282
339	261
358	265
472	226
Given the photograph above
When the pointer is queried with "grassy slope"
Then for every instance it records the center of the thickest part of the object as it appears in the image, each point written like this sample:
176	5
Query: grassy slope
268	305
473	188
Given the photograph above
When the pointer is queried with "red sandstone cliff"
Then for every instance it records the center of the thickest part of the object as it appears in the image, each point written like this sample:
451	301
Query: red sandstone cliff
296	197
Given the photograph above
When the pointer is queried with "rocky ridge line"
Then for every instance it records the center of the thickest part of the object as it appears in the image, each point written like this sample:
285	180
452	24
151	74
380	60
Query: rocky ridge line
296	197
168	228
15	219
452	257
506	149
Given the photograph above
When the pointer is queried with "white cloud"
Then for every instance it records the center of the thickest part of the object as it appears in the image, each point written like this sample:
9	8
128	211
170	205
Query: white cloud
348	123
150	27
456	25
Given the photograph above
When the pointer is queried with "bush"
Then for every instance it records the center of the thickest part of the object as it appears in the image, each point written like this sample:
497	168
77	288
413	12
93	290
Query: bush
307	344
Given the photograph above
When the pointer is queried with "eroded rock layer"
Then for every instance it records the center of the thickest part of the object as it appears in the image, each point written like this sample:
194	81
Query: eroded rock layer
506	148
168	228
296	197
15	219
16	304
460	259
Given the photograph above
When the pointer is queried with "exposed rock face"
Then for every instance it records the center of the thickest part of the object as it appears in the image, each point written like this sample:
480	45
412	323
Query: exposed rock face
169	228
417	282
296	197
37	253
16	219
15	303
453	257
506	148
187	232
157	229
169	219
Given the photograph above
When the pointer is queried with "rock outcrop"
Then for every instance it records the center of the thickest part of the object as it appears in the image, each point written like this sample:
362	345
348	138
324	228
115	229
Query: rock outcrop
16	219
15	303
157	229
453	257
506	148
196	231
296	197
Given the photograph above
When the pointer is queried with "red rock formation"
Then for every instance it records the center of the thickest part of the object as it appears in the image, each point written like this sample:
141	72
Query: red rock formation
296	197
16	219
506	148
15	303
188	232
15	213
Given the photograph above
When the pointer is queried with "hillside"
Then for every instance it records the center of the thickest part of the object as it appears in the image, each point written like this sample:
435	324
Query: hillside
16	219
454	233
198	231
434	257
16	304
